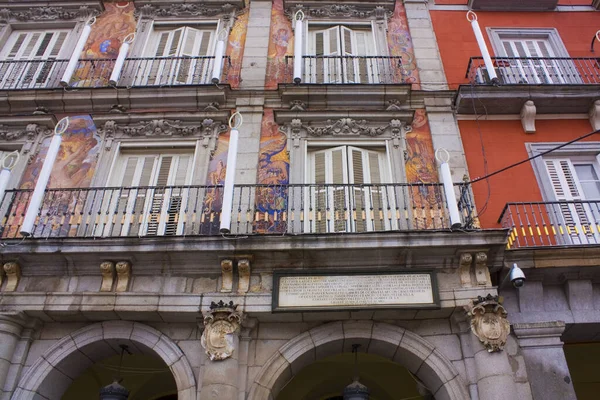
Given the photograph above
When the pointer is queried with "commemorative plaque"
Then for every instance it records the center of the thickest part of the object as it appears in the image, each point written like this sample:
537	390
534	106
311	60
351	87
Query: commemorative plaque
293	291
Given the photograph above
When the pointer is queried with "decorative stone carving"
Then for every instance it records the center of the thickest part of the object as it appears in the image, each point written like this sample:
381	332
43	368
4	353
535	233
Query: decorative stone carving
346	127
365	11
465	262
227	276
394	105
594	115
244	275
482	273
210	133
489	322
107	269
184	10
13	275
297	105
528	113
221	324
52	13
123	269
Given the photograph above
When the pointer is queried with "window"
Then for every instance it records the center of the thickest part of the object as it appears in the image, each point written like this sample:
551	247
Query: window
179	56
575	181
339	54
347	192
27	58
150	193
533	56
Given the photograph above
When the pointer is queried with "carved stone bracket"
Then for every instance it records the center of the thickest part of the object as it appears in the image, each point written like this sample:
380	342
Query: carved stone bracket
474	274
13	275
244	275
335	10
123	269
594	115
466	260
489	322
528	113
221	323
107	269
226	276
482	273
50	13
243	272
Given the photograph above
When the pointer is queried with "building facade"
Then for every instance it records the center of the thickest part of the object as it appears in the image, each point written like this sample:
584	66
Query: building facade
351	251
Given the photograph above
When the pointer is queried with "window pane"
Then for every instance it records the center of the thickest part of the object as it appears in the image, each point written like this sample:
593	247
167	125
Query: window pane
588	179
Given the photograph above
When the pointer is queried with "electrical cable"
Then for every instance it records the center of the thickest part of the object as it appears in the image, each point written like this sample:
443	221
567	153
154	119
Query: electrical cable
534	157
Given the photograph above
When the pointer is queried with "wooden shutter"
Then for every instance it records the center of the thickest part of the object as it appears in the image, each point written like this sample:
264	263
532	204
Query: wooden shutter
326	44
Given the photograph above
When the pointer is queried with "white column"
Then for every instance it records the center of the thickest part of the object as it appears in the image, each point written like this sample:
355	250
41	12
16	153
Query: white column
489	65
298	46
85	33
40	186
234	122
116	72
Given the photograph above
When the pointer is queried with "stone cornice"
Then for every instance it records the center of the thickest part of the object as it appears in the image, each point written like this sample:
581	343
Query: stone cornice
176	9
374	9
49	10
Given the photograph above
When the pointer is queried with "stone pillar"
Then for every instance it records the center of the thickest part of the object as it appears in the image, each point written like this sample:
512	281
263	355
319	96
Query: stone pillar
254	64
221	341
427	54
547	369
20	354
11	327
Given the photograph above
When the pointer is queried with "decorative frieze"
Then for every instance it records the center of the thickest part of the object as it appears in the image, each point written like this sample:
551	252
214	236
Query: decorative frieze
68	11
365	10
489	322
221	323
181	10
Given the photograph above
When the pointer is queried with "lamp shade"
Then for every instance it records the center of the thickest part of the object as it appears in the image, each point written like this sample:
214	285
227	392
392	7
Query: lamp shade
114	391
356	391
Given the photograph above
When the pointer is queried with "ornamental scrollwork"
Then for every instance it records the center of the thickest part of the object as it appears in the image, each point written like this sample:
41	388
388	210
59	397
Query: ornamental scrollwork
221	323
341	11
184	10
489	322
48	13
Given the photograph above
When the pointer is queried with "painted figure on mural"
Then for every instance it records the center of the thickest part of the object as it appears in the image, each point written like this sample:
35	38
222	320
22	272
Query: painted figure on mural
400	44
235	48
210	215
280	45
106	37
273	170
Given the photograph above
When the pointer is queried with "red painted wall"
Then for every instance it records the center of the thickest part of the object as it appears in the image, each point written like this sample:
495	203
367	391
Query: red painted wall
504	143
561	2
457	43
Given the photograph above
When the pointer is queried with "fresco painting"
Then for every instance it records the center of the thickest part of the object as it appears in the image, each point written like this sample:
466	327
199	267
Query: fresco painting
74	168
106	37
273	172
213	199
281	44
400	44
235	48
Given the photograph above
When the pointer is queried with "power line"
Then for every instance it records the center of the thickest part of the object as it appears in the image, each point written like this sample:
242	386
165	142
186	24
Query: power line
534	157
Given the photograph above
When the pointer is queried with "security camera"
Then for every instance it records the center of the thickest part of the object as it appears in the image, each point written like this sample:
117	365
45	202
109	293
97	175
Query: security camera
517	277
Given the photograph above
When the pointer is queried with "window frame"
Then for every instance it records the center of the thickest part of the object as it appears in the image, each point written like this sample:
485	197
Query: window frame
551	34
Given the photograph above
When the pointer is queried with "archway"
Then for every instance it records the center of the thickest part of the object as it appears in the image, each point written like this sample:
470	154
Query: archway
52	374
394	343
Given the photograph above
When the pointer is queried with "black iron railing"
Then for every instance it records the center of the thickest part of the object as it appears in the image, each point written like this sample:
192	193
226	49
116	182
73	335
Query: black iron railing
536	71
93	73
348	69
257	210
552	223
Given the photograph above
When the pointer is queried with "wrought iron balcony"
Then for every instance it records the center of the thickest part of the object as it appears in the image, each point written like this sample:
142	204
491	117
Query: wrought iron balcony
536	71
553	223
257	210
348	69
95	73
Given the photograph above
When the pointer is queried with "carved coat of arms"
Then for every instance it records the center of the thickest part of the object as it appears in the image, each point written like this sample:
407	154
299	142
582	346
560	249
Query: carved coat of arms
221	324
489	322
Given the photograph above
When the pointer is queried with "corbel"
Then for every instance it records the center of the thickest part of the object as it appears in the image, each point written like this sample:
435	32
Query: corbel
227	275
107	269
594	115
528	112
466	259
244	275
123	269
482	273
13	275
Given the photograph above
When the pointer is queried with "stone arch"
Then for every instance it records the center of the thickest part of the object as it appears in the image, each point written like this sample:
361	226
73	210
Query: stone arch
392	342
52	373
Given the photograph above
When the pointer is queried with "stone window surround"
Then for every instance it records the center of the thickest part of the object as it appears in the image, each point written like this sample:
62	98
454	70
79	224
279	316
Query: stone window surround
551	34
591	149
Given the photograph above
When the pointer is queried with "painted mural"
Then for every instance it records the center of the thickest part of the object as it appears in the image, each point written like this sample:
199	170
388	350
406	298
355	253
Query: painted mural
235	48
281	44
106	37
400	44
273	173
74	168
213	199
421	167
